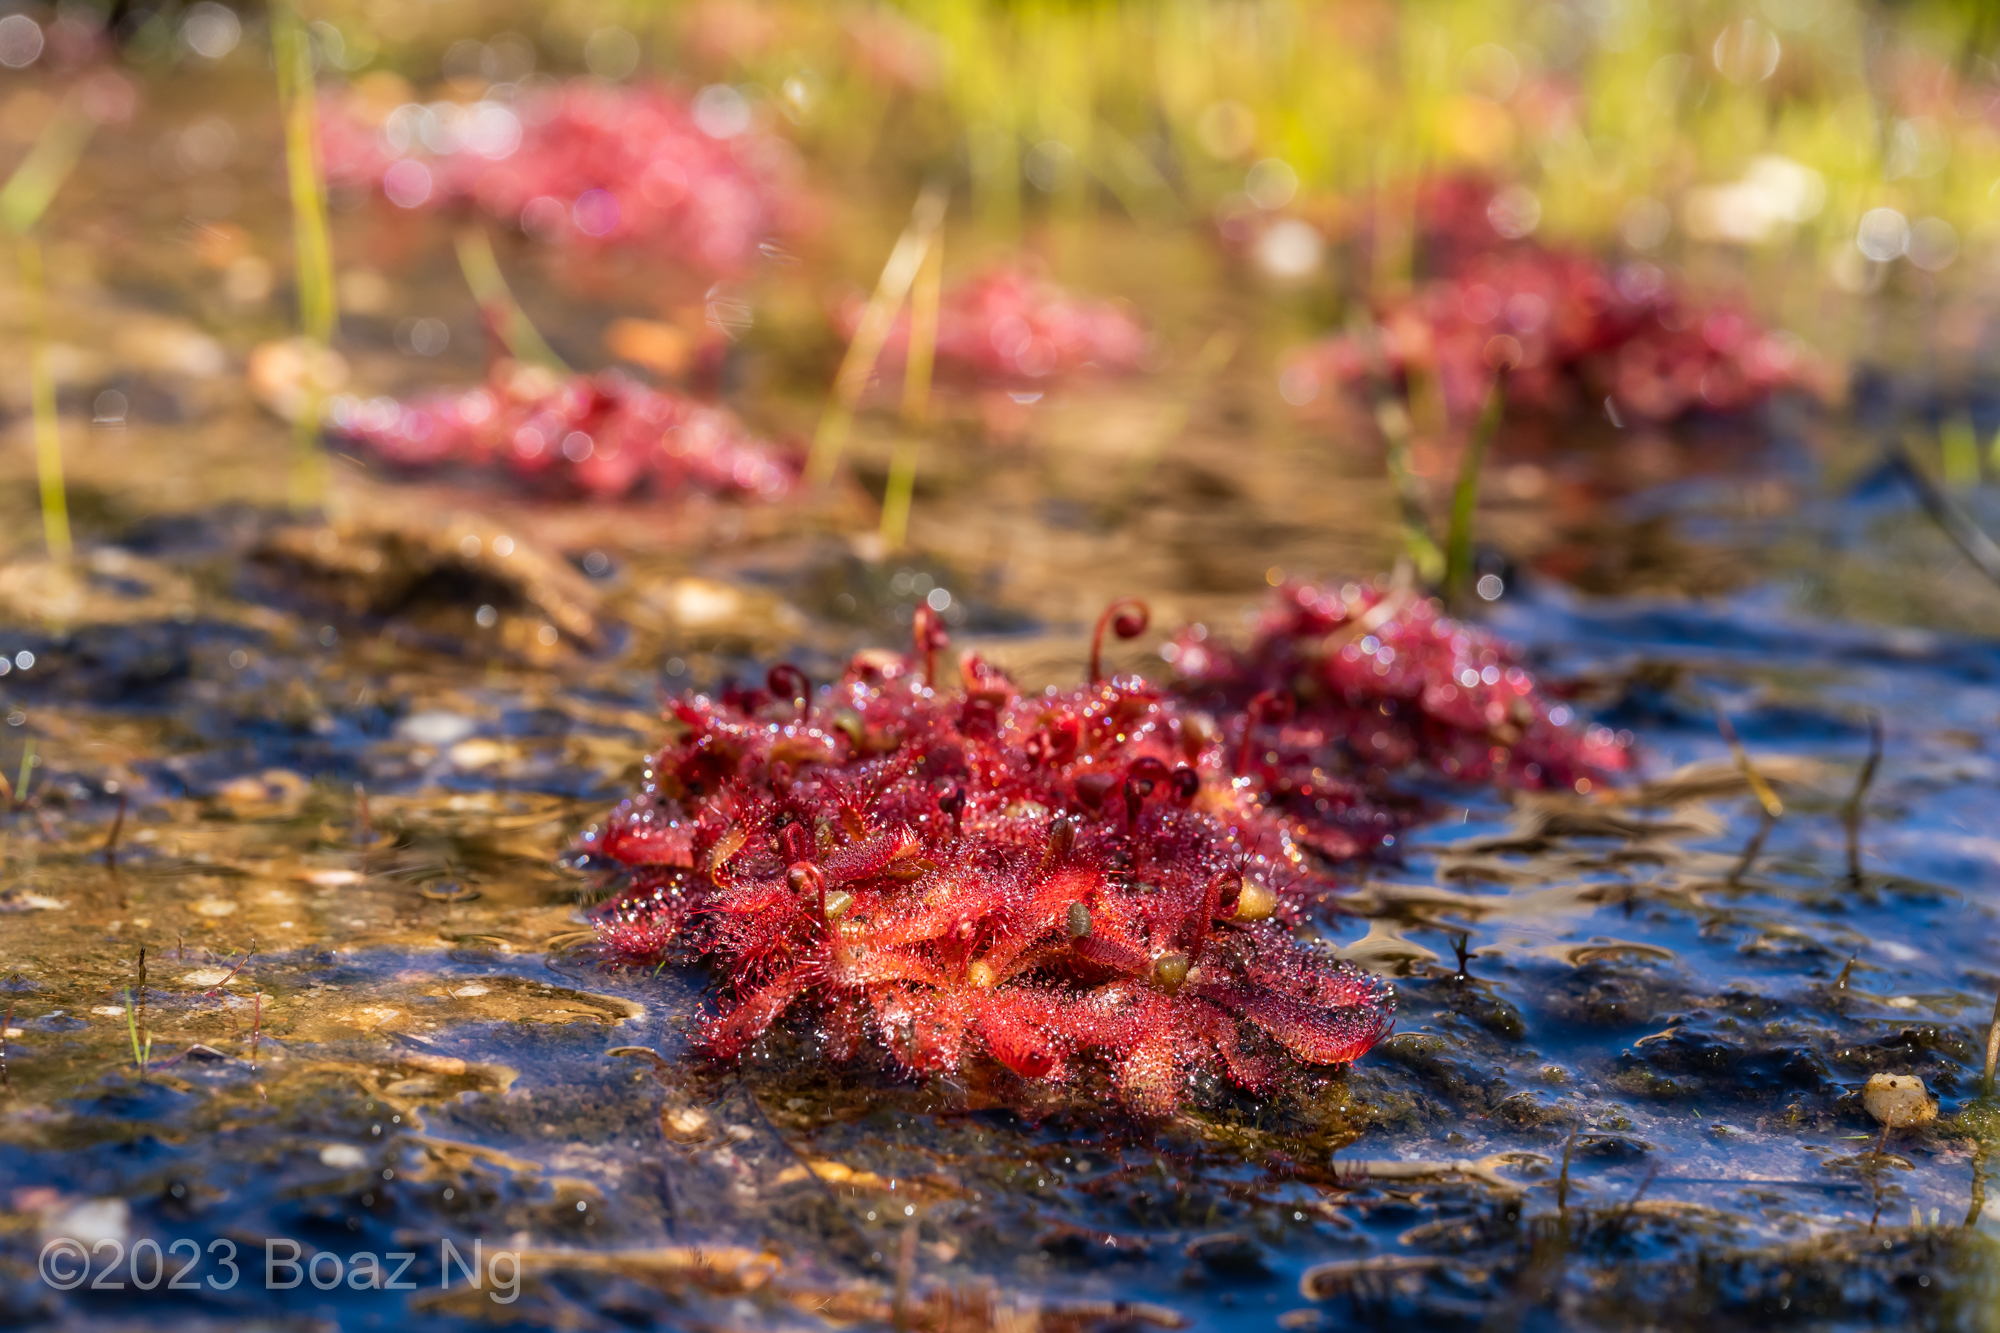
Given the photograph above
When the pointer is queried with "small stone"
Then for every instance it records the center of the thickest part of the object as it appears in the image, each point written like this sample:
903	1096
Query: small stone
1898	1100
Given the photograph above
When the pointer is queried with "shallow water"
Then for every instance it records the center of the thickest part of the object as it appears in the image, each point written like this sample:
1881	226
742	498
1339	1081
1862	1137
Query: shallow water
376	1023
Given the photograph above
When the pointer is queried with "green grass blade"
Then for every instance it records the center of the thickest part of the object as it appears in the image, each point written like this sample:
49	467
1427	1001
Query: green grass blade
311	237
28	192
1393	419
312	245
1465	496
132	1026
901	489
510	323
899	493
27	771
42	397
1958	443
858	365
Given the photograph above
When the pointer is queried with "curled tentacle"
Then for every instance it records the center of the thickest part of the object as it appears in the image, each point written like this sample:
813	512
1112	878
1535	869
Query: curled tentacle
951	801
786	681
795	842
928	635
1141	778
983	680
1128	618
1267	706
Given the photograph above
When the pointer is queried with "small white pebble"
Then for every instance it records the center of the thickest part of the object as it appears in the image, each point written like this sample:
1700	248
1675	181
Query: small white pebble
1898	1100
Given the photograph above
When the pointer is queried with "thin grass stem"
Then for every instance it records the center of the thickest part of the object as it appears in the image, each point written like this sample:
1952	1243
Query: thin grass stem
312	245
304	178
364	822
497	303
1992	1050
1562	1177
27	771
1946	512
1958	450
1770	808
42	395
139	1051
1754	848
1851	815
898	495
1465	496
117	827
1392	417
899	492
857	367
1124	169
33	184
1762	790
1624	1216
25	197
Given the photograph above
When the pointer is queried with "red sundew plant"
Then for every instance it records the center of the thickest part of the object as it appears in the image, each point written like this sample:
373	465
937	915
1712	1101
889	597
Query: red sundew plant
603	435
1008	328
952	871
1382	679
1579	333
584	163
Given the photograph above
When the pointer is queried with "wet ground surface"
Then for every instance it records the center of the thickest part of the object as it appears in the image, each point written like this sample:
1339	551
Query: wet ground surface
287	953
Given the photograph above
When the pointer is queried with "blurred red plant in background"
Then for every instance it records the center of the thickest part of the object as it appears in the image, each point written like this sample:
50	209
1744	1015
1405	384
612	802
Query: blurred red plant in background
583	163
1382	679
1580	334
603	434
1009	327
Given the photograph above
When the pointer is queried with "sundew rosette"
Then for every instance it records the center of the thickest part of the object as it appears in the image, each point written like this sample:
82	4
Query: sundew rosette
1372	682
1008	327
962	876
1577	334
582	164
601	435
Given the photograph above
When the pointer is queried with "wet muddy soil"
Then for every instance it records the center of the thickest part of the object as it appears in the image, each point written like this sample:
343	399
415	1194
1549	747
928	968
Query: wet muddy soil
290	954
